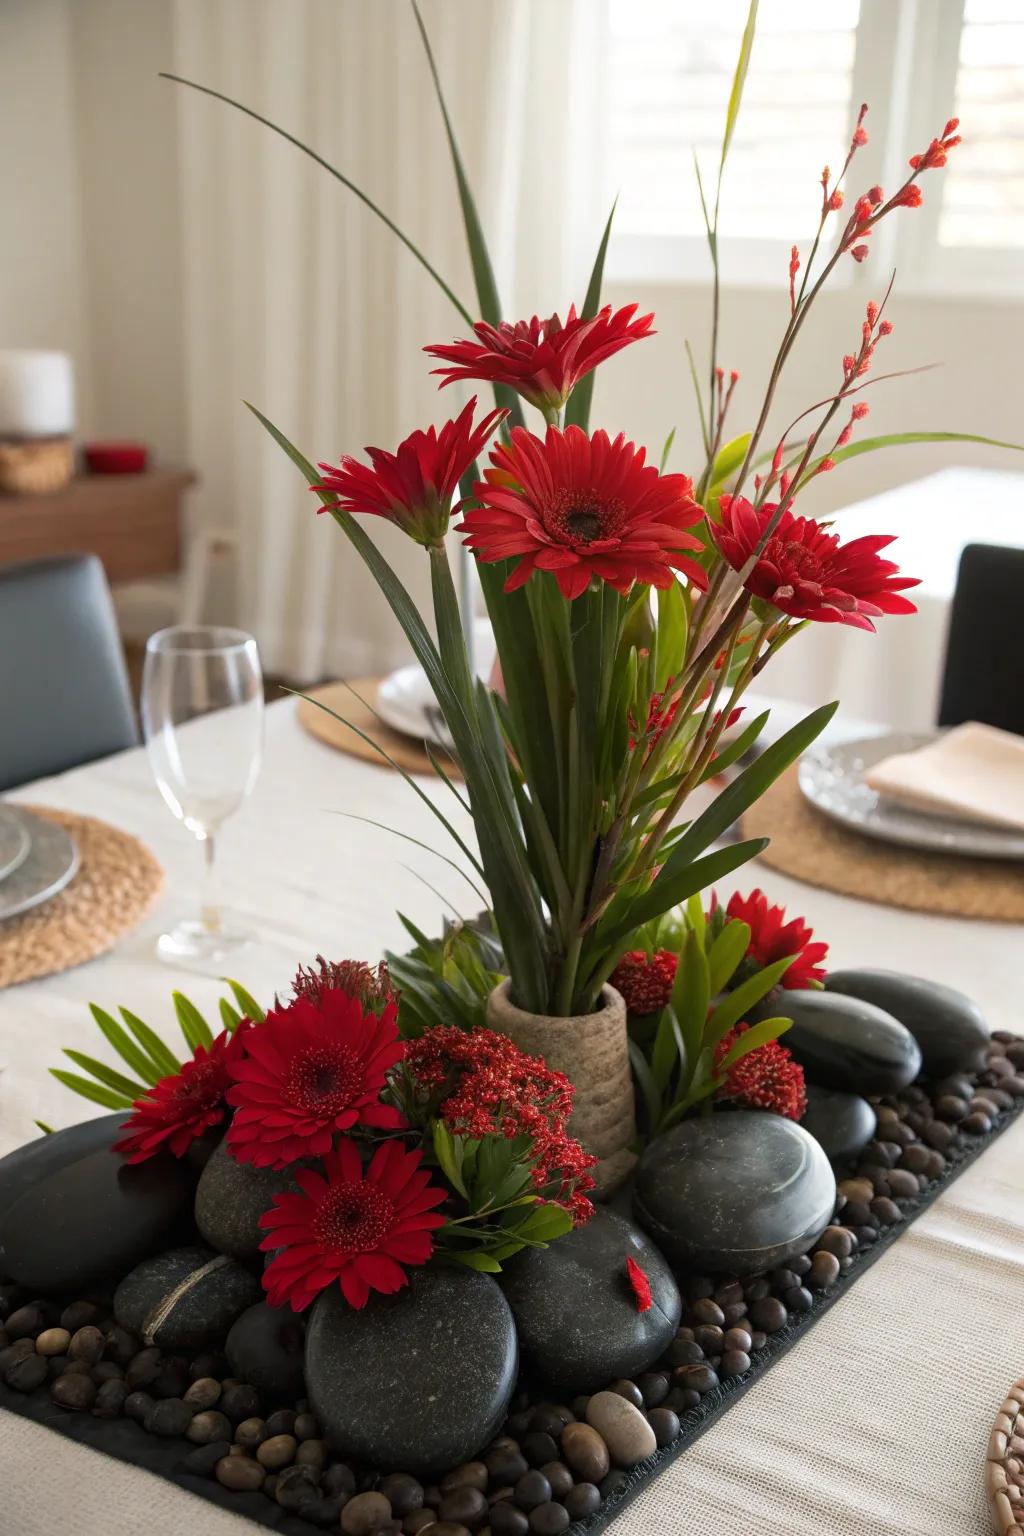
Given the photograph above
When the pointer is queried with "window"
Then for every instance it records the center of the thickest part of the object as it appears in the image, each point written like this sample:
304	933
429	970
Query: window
670	65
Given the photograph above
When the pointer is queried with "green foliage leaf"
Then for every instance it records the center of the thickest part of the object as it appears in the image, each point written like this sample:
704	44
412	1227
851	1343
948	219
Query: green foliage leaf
245	1000
450	1152
736	748
90	1090
129	1051
229	1017
648	1087
191	1022
691	993
738	80
545	1222
739	1002
475	1259
577	410
727	950
900	440
163	1059
728	459
670	889
47	1130
106	1075
754	1037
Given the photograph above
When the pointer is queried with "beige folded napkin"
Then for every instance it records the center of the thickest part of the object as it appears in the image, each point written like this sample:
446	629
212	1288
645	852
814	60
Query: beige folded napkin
971	773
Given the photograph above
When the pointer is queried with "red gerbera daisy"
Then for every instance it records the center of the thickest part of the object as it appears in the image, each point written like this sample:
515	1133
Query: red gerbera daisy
805	571
580	507
352	1227
645	981
414	486
543	359
640	1285
178	1108
765	1078
772	938
309	1071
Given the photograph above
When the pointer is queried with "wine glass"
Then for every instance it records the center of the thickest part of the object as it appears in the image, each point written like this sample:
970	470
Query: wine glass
202	716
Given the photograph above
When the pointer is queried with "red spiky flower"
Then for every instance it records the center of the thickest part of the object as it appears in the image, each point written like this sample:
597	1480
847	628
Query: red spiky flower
583	507
370	987
639	1284
354	1227
645	981
806	572
543	359
310	1070
181	1106
772	938
414	486
765	1078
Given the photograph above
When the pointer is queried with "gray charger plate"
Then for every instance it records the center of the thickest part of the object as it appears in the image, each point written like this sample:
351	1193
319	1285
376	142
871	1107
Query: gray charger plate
15	841
831	777
51	864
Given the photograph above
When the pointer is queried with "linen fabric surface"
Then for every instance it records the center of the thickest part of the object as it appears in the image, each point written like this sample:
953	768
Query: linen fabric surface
875	1424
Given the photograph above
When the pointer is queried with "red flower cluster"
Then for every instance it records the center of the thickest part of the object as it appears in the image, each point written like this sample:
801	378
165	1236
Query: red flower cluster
180	1107
645	981
583	507
639	1284
371	988
310	1070
350	1226
485	1085
804	571
414	486
543	360
772	938
765	1078
873	205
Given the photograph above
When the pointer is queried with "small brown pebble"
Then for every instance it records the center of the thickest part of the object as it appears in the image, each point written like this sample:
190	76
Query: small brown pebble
915	1158
735	1362
448	1528
737	1338
73	1391
938	1135
507	1520
472	1474
53	1341
18	1349
586	1452
403	1493
463	1506
559	1476
171	1416
208	1427
549	1519
532	1489
277	1452
824	1270
311	1453
684	1352
950	1107
707	1311
709	1336
538	1448
630	1391
306	1427
251	1433
698	1378
24	1322
137	1405
505	1464
797	1299
665	1424
769	1314
976	1124
239	1401
143	1368
418	1519
835	1240
583	1500
240	1474
887	1211
87	1344
110	1399
653	1387
366	1513
27	1374
203	1393
78	1314
856	1189
295	1487
903	1184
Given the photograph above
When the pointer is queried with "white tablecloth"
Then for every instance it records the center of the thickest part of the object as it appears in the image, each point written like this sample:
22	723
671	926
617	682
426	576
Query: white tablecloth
874	1425
895	675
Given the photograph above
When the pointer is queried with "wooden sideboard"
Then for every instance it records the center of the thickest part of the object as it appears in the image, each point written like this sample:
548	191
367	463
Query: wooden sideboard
132	522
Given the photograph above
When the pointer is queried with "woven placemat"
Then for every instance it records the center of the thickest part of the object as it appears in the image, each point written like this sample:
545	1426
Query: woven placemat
117	881
407	752
811	847
1004	1469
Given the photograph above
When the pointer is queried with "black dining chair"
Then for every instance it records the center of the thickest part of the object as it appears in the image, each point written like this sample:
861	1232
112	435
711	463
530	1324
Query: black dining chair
64	695
984	672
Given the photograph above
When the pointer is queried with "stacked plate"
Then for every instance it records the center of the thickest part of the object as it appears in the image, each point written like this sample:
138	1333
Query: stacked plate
834	778
37	859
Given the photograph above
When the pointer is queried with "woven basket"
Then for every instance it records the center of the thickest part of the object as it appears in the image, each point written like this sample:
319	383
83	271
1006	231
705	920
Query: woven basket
35	466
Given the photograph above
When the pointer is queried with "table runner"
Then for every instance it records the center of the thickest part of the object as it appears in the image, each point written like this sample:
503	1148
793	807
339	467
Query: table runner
875	1424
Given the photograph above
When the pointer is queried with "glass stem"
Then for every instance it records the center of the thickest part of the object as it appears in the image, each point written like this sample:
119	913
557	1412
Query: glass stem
209	907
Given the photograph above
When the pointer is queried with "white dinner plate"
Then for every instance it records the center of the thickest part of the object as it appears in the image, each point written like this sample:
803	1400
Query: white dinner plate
15	841
831	776
406	702
52	862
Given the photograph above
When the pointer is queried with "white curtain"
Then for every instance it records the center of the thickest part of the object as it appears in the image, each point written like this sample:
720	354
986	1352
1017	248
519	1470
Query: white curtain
300	301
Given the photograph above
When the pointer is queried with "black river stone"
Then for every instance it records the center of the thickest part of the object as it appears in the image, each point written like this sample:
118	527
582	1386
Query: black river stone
265	1348
73	1212
185	1299
949	1028
842	1122
230	1199
737	1193
844	1043
416	1382
576	1312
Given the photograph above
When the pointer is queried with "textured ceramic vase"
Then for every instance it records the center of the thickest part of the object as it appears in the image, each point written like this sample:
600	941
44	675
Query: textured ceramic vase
592	1050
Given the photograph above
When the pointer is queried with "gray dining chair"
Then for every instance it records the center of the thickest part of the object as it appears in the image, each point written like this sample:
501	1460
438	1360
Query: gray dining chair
64	694
983	677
